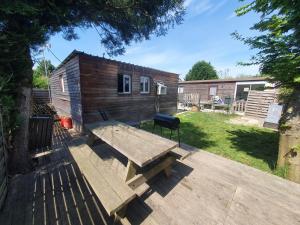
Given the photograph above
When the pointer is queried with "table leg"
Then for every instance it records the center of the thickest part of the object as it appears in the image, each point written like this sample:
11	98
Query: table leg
130	170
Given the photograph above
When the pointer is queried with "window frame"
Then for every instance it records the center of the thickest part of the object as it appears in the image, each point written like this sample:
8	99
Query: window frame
213	86
62	83
180	89
124	76
143	79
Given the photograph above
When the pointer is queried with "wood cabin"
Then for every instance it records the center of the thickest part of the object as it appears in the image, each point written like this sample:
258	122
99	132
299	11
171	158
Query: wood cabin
84	84
236	89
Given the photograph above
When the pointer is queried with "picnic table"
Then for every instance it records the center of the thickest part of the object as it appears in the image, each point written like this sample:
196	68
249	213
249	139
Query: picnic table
147	154
138	146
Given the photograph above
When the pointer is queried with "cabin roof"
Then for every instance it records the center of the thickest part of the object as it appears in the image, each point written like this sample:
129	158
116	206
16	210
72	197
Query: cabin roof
76	53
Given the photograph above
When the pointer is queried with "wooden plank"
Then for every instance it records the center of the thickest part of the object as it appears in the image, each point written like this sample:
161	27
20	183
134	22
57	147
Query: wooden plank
142	178
112	192
137	145
142	189
181	153
130	170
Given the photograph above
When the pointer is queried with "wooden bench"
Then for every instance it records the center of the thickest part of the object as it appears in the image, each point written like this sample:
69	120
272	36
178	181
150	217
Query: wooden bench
113	193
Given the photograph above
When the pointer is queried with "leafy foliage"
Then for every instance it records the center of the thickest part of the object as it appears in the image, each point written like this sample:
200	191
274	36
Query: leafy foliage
40	80
40	69
202	71
279	39
7	104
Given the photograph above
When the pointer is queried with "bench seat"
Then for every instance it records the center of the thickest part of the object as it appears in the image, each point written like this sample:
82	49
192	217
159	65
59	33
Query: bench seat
113	193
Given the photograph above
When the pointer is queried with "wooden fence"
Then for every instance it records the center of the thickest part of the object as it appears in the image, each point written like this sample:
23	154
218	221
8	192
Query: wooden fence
40	96
258	103
239	106
40	134
3	166
189	99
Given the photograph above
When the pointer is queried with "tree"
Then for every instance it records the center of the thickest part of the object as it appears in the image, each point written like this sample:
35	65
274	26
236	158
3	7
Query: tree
40	79
278	45
202	71
26	25
40	69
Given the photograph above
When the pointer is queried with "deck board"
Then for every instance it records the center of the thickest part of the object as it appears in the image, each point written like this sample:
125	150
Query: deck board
220	191
204	189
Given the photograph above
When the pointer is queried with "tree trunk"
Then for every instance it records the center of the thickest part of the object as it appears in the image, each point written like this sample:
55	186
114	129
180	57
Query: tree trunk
19	159
289	143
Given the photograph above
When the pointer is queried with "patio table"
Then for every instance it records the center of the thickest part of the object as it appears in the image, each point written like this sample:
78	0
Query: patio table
140	147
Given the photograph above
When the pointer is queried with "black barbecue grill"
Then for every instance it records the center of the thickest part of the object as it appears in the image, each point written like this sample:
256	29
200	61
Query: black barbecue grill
167	121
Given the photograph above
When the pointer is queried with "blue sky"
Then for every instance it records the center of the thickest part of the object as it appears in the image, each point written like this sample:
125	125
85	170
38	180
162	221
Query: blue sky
203	35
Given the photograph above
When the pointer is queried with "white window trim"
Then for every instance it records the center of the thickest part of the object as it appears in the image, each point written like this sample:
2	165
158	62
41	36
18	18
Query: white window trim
214	87
180	90
247	83
62	83
143	79
129	77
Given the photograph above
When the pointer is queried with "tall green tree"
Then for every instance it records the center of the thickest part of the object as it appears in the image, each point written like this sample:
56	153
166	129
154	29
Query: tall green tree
41	66
278	42
202	71
40	78
26	25
278	45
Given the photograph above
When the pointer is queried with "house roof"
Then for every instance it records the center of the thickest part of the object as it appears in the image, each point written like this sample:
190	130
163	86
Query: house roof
76	53
225	80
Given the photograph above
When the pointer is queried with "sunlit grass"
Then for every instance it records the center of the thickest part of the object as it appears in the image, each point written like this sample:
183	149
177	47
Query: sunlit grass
253	146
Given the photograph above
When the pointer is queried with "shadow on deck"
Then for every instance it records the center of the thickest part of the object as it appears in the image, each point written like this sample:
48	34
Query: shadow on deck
55	193
204	189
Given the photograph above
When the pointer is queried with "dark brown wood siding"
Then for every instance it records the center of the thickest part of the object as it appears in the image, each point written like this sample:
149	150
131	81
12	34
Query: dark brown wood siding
67	103
99	87
223	89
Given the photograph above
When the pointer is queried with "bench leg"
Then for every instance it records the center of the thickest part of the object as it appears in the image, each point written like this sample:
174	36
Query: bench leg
130	170
91	139
168	171
122	212
142	178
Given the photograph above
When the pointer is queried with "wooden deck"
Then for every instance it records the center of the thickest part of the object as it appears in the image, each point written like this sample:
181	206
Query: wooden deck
203	189
55	193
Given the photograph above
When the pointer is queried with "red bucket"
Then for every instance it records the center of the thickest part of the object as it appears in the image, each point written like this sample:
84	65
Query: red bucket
66	122
61	121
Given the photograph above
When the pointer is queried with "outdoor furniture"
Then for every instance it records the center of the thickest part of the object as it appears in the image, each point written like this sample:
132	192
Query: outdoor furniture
167	121
141	148
133	123
113	193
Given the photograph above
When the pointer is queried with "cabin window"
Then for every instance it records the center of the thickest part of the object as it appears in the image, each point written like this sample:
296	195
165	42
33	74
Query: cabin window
180	90
213	91
62	83
144	85
124	83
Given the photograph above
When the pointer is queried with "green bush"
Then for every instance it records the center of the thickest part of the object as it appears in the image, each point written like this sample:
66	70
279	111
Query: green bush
40	81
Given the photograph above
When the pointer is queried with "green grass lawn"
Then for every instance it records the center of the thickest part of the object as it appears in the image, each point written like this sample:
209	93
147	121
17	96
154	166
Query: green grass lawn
253	146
